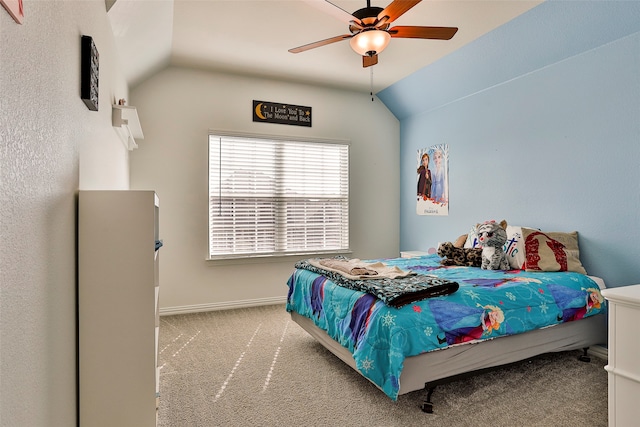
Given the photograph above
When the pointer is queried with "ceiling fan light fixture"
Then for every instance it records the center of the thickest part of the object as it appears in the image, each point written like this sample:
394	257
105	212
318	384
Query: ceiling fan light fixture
370	42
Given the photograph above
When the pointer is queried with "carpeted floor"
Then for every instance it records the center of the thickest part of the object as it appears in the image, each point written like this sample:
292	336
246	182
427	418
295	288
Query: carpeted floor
255	367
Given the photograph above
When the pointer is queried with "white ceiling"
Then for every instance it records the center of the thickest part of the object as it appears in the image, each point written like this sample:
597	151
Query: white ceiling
253	37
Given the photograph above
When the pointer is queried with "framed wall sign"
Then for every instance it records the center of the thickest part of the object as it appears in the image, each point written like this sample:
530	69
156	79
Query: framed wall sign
284	114
89	73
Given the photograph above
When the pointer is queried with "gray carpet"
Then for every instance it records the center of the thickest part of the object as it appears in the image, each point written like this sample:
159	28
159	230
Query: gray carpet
256	367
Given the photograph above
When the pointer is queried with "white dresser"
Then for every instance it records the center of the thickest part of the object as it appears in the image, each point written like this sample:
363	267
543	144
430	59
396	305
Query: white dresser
118	319
624	355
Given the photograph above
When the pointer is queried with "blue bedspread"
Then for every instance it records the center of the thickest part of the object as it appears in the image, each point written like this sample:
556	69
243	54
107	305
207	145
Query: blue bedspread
488	304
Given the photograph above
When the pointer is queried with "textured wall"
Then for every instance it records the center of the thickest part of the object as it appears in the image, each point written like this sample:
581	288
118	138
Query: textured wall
44	125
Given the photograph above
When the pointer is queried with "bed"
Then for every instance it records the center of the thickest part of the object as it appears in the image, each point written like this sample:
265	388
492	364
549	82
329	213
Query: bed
491	318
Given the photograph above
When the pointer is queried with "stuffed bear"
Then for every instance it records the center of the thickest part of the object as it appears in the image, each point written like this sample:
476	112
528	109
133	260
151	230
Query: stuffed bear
453	255
491	238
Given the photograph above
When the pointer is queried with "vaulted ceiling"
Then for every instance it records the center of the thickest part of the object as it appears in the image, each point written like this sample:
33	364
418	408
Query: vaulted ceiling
253	37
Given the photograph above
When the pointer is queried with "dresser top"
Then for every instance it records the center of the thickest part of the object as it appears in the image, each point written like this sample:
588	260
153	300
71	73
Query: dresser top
629	294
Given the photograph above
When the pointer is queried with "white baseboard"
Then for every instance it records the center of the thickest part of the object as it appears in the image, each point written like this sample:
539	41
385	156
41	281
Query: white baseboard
227	305
599	351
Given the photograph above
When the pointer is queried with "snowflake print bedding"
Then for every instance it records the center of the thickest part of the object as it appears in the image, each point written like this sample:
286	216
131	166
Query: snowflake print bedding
488	304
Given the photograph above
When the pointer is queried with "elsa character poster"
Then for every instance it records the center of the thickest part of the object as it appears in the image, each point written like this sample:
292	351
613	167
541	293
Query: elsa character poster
433	180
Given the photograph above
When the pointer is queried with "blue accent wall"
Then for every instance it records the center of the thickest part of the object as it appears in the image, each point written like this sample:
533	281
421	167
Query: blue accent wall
542	118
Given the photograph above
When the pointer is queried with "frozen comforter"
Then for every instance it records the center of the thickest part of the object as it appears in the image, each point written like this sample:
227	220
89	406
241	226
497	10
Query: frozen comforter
488	304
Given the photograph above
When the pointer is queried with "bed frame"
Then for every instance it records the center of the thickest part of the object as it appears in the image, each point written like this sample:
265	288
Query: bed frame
427	370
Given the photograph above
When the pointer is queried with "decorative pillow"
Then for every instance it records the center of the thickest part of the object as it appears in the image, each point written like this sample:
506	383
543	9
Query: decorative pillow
514	247
552	251
472	238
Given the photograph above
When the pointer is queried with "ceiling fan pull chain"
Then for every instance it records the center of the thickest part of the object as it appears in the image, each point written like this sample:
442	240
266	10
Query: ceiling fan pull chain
371	71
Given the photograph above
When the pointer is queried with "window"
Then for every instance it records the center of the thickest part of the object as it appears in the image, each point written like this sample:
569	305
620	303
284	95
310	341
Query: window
270	196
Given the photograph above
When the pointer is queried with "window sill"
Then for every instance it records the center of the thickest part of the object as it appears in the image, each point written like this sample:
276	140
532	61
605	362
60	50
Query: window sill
264	259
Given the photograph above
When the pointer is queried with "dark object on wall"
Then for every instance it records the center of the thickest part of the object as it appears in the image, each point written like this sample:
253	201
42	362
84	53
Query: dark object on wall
89	73
284	114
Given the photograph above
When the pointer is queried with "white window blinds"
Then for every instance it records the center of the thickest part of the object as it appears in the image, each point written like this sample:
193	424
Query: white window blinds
277	197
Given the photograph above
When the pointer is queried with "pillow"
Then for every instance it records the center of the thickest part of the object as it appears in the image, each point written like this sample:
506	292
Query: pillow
551	251
514	247
472	238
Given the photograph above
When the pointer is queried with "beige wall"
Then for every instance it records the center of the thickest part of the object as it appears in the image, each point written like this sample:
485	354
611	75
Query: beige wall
50	145
178	106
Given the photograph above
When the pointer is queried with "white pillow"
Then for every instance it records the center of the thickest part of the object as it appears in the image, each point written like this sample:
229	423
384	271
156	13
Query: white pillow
514	247
472	238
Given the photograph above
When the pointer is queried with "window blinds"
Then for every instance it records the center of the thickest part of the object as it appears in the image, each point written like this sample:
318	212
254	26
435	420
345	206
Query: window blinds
277	197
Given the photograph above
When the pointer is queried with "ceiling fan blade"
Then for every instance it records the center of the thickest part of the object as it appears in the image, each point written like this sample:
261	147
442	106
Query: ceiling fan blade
368	61
437	33
331	9
320	43
338	11
397	8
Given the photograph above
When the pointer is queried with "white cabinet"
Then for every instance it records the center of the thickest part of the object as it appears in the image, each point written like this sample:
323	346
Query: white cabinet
624	355
118	308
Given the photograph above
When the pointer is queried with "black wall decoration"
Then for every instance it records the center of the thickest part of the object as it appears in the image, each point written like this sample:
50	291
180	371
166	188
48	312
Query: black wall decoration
285	114
89	73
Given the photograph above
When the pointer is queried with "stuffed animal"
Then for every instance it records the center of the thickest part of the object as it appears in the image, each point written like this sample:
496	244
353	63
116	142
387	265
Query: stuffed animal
453	255
491	238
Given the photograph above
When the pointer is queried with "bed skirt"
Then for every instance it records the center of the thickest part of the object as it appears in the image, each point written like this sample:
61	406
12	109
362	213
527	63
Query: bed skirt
458	359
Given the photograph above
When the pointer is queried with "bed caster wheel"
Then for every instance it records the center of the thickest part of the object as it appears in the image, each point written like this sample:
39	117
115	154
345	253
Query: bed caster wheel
427	407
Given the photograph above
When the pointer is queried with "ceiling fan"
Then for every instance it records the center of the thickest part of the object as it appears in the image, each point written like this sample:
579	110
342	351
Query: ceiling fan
370	30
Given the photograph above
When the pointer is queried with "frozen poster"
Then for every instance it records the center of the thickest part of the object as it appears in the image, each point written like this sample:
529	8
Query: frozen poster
433	180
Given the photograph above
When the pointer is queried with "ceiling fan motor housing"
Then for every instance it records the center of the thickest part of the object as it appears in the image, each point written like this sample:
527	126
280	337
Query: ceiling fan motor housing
368	17
367	12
